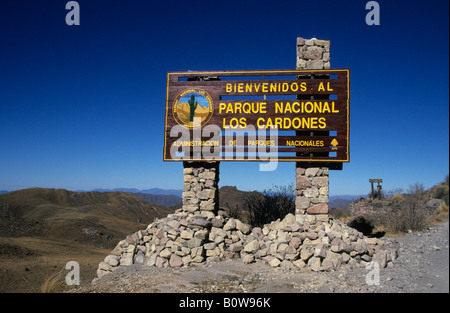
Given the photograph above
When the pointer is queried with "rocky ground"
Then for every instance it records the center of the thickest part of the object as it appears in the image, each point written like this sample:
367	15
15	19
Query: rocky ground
422	266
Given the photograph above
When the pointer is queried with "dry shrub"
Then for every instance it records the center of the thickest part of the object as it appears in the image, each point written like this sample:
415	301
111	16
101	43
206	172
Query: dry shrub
408	215
397	197
443	208
341	214
439	215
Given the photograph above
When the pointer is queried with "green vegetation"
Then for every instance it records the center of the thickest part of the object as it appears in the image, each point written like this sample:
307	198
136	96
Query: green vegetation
192	106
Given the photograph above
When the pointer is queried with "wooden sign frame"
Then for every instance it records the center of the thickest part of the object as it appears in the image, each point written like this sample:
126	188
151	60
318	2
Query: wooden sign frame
308	109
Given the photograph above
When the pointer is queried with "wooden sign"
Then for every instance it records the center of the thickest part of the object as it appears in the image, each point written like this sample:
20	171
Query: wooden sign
282	115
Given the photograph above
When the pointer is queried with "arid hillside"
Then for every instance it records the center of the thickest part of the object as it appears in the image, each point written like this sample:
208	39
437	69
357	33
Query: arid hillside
42	229
78	213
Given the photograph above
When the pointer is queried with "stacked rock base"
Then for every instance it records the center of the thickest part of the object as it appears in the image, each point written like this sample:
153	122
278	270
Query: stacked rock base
303	241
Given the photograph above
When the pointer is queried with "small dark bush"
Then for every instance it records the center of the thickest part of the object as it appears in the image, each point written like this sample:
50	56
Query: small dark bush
362	224
271	205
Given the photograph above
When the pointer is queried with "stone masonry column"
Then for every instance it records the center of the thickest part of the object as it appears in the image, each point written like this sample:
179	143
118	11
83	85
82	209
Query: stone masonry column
311	189
200	189
311	183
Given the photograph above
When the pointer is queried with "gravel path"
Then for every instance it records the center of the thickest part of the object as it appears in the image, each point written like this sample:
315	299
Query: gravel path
422	266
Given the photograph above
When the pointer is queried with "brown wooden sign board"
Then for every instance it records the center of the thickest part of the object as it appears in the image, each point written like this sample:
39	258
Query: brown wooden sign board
279	115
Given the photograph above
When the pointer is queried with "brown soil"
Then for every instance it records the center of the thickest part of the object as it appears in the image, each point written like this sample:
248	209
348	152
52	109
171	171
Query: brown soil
42	267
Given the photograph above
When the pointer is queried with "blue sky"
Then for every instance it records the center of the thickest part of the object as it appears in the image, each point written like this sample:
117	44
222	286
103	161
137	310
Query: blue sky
202	101
82	107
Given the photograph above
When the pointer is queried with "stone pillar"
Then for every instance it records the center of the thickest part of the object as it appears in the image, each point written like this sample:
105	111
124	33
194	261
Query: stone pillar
200	189
311	189
313	54
311	183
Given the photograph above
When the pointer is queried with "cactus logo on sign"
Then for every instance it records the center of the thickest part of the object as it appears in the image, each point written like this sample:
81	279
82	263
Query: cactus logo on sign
193	108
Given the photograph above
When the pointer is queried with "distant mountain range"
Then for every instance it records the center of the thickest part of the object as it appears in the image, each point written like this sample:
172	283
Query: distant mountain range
341	201
345	197
230	196
153	191
172	197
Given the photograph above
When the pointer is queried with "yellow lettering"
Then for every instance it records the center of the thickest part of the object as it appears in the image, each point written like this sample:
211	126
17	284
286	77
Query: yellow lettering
243	122
288	108
255	107
262	107
237	107
246	108
229	87
328	87
294	87
265	87
278	107
305	122
224	124
317	107
321	87
288	125
278	122
333	110
303	86
322	123
222	105
234	123
229	108
258	122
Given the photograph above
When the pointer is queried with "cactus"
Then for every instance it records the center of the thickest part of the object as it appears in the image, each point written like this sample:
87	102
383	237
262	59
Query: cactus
192	106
